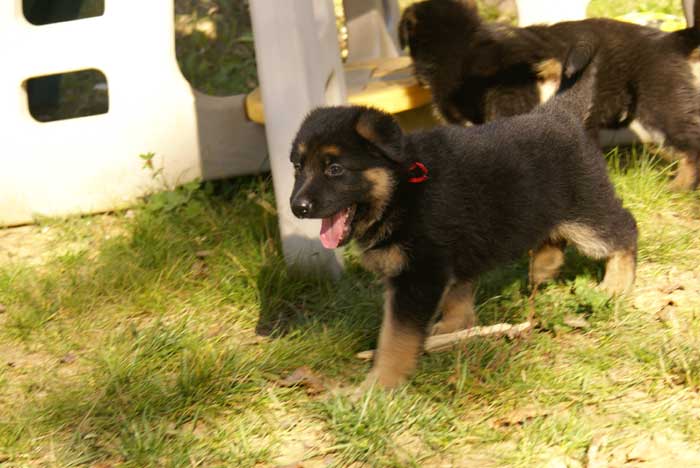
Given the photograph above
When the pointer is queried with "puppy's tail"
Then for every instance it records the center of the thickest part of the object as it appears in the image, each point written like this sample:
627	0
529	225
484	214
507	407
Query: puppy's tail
577	85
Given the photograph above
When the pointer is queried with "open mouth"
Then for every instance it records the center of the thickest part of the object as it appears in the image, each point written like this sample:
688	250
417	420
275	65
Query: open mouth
335	230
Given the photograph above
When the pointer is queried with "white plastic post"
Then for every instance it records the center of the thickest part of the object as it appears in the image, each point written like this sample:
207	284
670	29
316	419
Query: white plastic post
299	68
550	11
92	164
688	6
372	29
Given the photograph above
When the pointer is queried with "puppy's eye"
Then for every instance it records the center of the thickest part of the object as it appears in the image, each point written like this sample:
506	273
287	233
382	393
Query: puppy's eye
297	167
334	170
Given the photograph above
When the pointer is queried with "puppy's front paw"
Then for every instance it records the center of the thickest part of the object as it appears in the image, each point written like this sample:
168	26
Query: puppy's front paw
451	326
440	328
362	391
369	382
382	381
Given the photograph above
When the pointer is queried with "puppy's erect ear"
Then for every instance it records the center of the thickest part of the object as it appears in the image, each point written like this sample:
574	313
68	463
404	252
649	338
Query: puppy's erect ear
578	58
382	131
407	26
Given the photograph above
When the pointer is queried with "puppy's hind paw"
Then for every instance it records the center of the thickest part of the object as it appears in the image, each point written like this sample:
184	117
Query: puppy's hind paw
612	289
450	326
617	285
687	176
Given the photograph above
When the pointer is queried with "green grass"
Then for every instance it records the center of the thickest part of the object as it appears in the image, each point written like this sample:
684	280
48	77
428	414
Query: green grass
222	63
620	7
129	339
129	349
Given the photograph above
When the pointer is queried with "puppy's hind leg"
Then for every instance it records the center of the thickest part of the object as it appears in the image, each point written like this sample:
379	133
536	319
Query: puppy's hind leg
688	173
546	261
615	240
621	266
619	272
457	308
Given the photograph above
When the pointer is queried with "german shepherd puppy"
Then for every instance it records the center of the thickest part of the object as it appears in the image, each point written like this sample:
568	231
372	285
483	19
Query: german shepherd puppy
648	81
433	210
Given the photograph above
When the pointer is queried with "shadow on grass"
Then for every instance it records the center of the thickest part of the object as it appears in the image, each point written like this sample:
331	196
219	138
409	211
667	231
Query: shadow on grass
291	298
503	294
143	304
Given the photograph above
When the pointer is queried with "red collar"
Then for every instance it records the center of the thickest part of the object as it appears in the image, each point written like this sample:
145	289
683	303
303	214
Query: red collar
418	178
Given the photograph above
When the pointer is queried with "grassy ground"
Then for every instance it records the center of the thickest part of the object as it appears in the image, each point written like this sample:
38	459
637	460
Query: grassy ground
128	339
620	7
214	45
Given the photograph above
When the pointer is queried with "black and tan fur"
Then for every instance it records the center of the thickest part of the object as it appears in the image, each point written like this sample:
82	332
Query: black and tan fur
494	192
648	81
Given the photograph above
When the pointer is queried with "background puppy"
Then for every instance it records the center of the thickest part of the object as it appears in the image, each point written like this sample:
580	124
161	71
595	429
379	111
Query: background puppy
433	210
647	80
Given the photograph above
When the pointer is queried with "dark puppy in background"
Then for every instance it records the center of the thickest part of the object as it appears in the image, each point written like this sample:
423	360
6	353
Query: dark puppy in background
648	81
433	210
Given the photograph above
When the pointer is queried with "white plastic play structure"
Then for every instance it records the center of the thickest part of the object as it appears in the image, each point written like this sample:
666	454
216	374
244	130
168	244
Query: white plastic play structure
548	11
91	164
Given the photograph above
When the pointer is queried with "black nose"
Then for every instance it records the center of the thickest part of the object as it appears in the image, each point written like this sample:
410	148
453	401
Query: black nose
301	207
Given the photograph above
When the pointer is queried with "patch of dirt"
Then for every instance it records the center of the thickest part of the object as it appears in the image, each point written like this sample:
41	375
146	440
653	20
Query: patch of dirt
520	416
26	371
15	357
482	456
303	441
676	288
24	244
35	245
656	450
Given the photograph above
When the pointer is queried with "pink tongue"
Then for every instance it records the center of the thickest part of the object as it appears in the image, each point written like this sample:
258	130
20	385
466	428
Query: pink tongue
332	229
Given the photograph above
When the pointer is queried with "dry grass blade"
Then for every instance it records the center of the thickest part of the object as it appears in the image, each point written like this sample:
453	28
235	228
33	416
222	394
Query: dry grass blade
593	456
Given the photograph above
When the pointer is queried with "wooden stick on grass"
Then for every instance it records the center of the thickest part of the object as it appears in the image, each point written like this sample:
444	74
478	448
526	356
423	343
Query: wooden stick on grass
449	340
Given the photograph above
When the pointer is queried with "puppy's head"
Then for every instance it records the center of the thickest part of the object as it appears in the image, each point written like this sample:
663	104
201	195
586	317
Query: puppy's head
346	163
433	25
